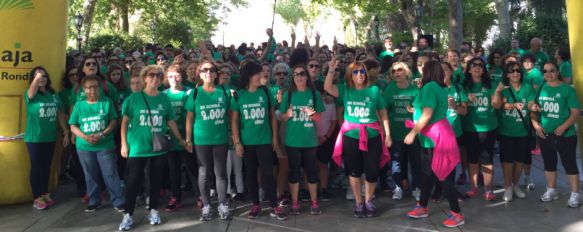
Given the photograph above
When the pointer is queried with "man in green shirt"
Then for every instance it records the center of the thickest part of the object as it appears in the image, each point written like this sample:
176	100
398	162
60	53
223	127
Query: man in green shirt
515	48
536	50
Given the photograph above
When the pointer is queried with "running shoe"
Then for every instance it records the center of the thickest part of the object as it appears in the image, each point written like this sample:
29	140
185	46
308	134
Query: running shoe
454	220
489	196
39	203
359	211
206	214
518	192
284	199
397	193
574	200
224	212
473	192
295	209
418	212
278	213
371	209
172	205
507	195
48	199
126	222
550	195
154	217
254	212
315	208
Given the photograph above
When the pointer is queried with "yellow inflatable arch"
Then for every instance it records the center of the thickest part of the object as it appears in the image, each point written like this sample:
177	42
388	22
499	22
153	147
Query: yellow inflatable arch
575	20
33	33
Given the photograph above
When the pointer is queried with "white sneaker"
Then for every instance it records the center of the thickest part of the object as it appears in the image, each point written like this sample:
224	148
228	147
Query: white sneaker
224	212
528	183
126	222
416	194
154	217
349	194
550	195
507	195
518	192
574	200
397	193
206	214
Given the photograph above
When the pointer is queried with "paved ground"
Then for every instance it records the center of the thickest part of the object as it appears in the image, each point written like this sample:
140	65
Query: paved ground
519	215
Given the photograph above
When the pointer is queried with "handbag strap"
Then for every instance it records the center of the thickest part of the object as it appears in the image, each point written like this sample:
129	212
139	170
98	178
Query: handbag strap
149	112
524	123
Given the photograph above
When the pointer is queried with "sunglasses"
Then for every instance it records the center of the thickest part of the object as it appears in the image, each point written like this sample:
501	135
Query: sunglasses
206	70
549	71
281	73
397	70
313	65
514	70
356	72
156	75
300	74
481	65
89	64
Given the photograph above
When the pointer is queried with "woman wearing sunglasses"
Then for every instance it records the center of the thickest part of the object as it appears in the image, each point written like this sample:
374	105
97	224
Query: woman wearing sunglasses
281	75
43	112
301	107
557	109
90	66
399	96
513	132
363	103
480	125
148	112
208	108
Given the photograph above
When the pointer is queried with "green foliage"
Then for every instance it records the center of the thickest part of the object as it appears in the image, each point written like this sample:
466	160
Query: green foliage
110	41
552	29
479	17
399	37
291	11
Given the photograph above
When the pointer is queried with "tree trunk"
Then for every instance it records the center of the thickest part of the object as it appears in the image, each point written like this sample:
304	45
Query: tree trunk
125	20
456	27
504	24
408	11
88	10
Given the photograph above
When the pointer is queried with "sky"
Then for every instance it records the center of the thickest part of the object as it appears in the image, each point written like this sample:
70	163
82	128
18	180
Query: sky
248	24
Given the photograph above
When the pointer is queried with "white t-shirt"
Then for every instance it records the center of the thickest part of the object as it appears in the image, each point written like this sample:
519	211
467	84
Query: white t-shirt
326	119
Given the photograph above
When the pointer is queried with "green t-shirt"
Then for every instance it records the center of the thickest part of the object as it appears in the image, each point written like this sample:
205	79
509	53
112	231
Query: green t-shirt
534	77
41	117
300	129
79	94
481	116
397	100
496	75
520	51
210	115
178	101
541	59
556	104
361	106
141	125
93	119
510	123
382	83
385	53
460	96
123	94
66	98
566	69
433	96
458	76
255	128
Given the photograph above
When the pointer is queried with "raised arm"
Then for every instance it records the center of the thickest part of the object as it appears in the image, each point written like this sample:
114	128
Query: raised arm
329	85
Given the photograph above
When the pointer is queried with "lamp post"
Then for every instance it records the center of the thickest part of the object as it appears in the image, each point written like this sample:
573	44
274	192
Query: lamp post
78	25
418	14
153	29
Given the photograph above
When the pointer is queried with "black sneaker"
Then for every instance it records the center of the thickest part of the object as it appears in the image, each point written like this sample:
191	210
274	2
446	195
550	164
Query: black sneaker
325	196
359	211
91	208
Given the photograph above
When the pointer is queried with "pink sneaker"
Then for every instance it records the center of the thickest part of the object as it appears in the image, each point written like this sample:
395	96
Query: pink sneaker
454	220
489	196
48	199
472	193
39	203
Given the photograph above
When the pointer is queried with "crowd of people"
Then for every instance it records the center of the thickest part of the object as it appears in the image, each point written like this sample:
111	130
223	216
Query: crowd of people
286	124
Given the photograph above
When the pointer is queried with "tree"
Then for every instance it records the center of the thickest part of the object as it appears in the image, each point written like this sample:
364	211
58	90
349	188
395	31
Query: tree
456	28
291	12
502	10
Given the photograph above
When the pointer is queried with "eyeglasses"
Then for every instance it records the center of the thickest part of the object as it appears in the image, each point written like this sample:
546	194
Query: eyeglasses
88	64
477	64
158	75
281	73
300	74
517	70
206	70
314	66
397	70
356	72
549	71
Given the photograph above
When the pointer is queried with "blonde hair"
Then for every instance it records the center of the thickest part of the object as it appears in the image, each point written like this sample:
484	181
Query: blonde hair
401	65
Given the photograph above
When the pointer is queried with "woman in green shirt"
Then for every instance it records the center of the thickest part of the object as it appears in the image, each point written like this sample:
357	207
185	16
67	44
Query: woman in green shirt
208	108
301	107
93	121
557	106
145	113
430	111
43	112
480	125
513	132
255	135
280	73
364	112
563	57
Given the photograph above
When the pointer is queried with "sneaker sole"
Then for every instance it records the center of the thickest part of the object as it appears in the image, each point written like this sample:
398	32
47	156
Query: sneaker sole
552	199
278	218
453	226
155	223
418	216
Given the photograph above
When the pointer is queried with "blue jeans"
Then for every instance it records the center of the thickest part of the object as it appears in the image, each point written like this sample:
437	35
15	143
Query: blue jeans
403	155
92	161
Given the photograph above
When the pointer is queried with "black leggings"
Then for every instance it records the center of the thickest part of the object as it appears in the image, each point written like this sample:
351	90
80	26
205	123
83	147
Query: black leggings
175	161
513	149
135	178
428	179
212	157
260	157
41	157
480	147
302	157
566	147
366	162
